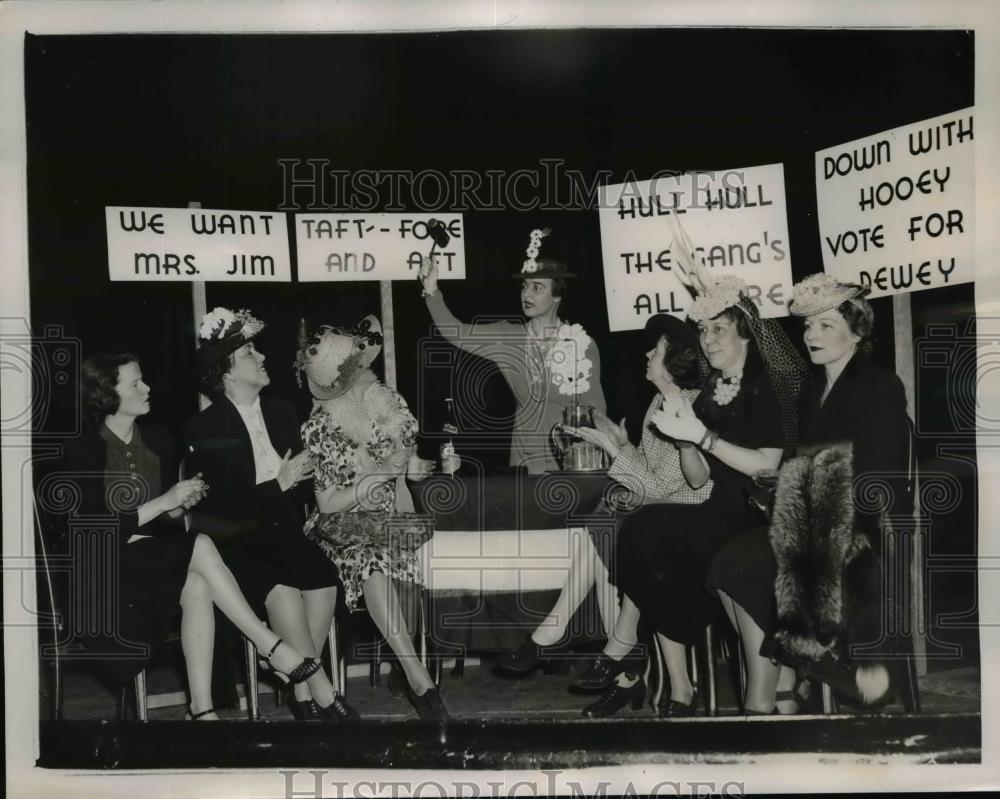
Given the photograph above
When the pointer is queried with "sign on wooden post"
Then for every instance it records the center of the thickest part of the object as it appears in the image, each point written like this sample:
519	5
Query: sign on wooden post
382	247
736	219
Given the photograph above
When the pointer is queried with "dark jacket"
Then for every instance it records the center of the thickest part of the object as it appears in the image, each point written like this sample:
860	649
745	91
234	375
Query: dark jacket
217	444
825	530
867	407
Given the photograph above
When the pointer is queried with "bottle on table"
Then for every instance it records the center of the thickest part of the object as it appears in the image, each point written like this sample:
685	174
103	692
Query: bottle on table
450	461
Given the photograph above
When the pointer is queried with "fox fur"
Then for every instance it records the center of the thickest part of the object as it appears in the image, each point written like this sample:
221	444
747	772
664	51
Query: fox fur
828	584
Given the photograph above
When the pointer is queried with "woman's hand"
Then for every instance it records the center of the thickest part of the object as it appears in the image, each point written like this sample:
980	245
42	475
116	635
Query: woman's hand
294	470
677	420
396	462
418	469
428	275
184	495
593	436
615	432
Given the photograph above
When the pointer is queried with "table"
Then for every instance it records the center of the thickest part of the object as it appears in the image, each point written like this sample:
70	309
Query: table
501	551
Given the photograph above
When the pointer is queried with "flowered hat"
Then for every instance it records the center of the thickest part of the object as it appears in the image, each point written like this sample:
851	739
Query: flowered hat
726	292
821	292
546	266
333	358
222	332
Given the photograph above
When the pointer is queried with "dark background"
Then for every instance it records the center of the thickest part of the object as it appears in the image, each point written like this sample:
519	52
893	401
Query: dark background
166	120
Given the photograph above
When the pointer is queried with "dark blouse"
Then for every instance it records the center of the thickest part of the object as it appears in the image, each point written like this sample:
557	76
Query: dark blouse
752	420
101	466
133	462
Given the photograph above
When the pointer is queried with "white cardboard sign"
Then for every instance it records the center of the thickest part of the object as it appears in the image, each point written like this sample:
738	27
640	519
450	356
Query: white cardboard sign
188	244
896	210
736	221
340	247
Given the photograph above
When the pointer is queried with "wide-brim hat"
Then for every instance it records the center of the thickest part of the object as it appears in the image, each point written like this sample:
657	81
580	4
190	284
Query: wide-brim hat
822	292
222	332
676	330
334	358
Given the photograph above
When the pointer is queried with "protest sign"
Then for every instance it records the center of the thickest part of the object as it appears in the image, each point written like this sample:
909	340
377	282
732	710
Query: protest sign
335	247
735	219
195	244
896	209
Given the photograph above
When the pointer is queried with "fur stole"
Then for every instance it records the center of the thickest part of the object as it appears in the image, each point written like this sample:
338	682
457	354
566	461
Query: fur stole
814	541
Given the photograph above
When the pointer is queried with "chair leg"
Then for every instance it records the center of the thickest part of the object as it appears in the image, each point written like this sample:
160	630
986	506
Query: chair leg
335	664
123	701
905	678
829	701
711	700
140	695
741	673
374	675
693	669
253	706
53	672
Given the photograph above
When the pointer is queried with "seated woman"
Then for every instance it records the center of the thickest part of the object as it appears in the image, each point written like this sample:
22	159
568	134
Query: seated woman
530	354
852	400
361	435
127	472
255	511
736	425
652	474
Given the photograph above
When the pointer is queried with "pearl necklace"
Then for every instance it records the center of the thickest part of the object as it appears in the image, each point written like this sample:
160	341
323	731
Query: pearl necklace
726	388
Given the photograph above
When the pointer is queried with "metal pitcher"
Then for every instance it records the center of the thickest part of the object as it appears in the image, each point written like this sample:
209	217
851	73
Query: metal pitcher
572	453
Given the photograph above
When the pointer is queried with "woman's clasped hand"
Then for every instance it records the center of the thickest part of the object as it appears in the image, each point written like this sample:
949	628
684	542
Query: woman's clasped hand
184	495
676	418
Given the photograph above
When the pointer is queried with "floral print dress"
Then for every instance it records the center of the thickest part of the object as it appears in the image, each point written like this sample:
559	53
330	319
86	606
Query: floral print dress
362	542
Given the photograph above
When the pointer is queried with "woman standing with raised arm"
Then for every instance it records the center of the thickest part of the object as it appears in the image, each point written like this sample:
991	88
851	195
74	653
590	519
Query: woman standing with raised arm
547	363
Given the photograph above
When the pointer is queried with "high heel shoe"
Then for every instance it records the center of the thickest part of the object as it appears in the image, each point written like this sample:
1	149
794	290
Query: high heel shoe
615	698
189	716
672	709
397	681
523	660
306	710
598	676
306	669
339	710
429	705
838	675
798	695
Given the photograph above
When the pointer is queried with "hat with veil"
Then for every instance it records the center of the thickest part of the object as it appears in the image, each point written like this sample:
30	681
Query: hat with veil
785	367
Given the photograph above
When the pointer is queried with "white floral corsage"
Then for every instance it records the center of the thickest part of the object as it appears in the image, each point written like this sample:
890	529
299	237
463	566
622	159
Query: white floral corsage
534	245
566	360
726	388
